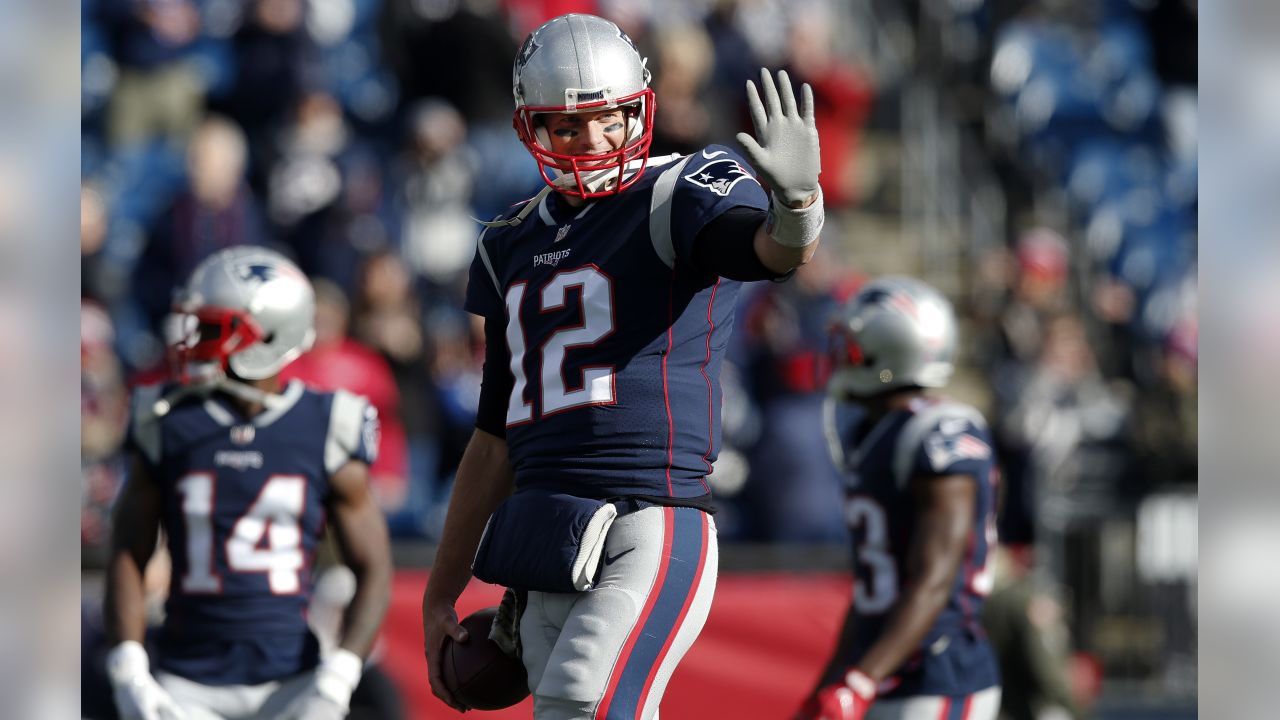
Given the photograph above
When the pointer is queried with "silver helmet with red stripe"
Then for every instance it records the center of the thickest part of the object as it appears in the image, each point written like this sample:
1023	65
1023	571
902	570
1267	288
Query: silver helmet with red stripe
583	63
247	310
897	332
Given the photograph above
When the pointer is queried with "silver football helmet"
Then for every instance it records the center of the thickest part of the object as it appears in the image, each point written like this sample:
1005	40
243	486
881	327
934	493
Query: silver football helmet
246	311
896	332
580	63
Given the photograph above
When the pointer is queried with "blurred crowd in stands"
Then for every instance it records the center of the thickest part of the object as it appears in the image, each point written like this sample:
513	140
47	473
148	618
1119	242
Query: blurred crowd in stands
1057	206
364	137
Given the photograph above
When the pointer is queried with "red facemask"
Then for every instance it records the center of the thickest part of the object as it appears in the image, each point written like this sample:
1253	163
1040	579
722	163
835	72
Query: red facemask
578	166
211	335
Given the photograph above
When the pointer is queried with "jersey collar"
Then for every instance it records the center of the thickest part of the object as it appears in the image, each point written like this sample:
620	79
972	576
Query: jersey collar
224	415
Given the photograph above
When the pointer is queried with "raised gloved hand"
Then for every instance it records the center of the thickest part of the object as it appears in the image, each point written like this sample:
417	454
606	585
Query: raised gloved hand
841	701
785	148
329	697
137	694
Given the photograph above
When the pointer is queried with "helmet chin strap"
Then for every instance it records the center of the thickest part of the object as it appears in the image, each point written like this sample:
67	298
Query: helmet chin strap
214	381
595	180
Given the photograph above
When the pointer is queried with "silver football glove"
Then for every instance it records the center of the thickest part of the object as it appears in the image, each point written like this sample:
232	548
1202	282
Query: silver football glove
785	149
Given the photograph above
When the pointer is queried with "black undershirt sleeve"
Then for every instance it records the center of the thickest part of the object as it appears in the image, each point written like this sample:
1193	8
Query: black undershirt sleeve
495	382
725	246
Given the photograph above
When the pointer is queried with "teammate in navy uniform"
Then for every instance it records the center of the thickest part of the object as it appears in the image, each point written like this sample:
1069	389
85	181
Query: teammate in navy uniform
608	301
920	505
242	475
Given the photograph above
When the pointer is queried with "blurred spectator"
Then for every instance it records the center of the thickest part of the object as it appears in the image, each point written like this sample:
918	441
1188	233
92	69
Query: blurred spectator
842	96
159	92
1039	291
526	15
450	51
734	63
1027	628
93	235
1028	290
684	62
433	179
275	65
104	409
1166	423
104	401
325	191
467	47
387	317
1070	424
454	354
337	361
93	219
303	175
793	491
215	211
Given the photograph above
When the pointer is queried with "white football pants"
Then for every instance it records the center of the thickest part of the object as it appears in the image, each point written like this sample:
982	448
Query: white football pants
607	654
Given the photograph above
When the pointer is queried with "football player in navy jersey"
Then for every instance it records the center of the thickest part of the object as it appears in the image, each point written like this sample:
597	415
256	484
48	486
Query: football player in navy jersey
243	475
608	300
920	506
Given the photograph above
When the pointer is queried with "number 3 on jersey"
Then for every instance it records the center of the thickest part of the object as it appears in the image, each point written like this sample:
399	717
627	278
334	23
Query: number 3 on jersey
876	590
596	386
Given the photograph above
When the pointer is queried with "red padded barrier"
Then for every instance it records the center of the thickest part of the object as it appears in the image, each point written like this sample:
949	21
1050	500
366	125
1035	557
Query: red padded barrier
766	639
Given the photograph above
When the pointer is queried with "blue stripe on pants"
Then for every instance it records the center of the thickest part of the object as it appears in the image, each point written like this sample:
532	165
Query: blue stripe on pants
677	586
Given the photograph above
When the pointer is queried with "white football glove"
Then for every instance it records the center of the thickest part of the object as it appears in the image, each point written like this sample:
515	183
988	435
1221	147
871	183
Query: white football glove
329	697
137	694
785	149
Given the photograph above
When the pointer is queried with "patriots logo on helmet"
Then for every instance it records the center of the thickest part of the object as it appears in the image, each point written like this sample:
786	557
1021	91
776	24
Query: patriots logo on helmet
256	271
530	46
630	42
719	176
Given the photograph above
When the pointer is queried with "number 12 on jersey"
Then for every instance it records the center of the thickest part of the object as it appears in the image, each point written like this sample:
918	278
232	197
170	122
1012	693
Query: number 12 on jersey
597	382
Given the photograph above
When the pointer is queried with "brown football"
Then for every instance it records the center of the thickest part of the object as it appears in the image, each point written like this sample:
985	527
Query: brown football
477	672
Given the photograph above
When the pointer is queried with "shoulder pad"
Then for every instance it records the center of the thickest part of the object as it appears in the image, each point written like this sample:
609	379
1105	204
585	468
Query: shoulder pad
349	417
144	423
660	201
831	430
920	424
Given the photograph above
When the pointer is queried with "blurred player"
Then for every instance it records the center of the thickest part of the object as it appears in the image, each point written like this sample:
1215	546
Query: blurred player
608	299
920	509
242	475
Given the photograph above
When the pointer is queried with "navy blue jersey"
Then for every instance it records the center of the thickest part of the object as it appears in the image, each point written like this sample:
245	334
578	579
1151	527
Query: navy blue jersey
933	438
243	509
615	336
